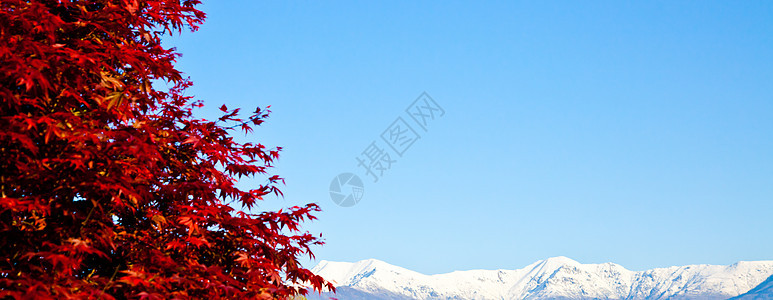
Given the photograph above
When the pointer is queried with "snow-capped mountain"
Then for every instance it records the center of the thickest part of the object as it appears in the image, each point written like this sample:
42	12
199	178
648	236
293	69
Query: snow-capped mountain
553	278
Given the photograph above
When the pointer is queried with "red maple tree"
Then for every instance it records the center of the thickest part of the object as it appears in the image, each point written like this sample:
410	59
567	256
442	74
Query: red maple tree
111	188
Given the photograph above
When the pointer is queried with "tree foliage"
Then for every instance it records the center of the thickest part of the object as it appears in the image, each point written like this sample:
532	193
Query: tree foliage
111	188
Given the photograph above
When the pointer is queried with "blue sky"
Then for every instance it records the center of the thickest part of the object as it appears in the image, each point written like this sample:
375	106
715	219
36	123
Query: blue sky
637	133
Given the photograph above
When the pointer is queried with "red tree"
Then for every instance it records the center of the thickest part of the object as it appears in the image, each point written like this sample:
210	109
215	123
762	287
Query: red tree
110	187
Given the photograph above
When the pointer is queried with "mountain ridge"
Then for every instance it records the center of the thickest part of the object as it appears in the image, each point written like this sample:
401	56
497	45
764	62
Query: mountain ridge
762	291
552	278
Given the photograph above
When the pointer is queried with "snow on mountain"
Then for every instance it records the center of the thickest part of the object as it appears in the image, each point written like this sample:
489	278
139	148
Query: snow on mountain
763	291
552	278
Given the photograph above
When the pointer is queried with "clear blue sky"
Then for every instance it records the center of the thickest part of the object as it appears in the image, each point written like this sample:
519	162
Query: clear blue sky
637	133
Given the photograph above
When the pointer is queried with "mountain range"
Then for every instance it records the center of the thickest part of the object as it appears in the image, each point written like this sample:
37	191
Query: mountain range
552	278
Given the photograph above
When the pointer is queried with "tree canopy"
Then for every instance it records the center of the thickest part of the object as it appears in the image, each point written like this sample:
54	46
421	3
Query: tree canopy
111	187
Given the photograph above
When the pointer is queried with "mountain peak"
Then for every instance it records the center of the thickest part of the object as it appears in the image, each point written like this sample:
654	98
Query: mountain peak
553	263
560	260
347	273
